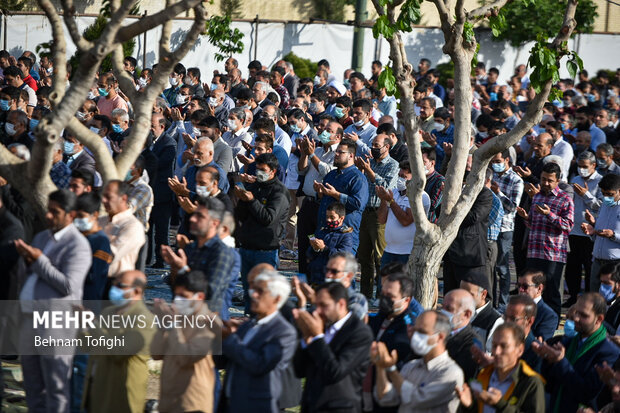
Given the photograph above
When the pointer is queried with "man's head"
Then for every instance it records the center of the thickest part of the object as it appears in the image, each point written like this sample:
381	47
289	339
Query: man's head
259	91
332	302
130	63
177	76
459	306
189	292
602	118
550	177
532	283
203	152
341	267
335	214
590	312
24	64
158	125
429	157
107	85
216	98
120	120
230	64
207	180
610	189
81	181
115	197
582	141
87	212
266	167
492	75
13	76
604	155
424	65
430	332
478	286
206	219
361	112
60	209
583	118
334	129
345	154
542	145
609	276
17	123
508	346
521	310
586	164
427	108
396	293
268	291
127	286
380	147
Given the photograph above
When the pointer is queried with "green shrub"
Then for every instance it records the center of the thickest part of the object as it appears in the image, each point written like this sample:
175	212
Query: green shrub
303	67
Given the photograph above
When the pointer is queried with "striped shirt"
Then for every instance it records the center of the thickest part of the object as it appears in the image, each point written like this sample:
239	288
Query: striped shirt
548	237
495	219
510	192
386	175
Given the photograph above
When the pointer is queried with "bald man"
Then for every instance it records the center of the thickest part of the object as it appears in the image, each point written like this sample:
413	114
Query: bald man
119	384
164	148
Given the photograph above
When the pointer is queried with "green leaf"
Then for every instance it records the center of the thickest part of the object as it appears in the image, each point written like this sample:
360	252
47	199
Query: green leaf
495	32
579	61
572	67
388	81
468	32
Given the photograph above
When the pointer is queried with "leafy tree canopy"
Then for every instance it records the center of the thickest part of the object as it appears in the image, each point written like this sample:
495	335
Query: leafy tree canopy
303	67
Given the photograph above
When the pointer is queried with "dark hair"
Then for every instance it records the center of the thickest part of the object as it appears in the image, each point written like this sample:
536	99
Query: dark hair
304	89
552	168
365	104
392	268
494	70
244	93
255	64
338	208
377	62
194	71
215	207
268	159
610	182
179	69
265	124
319	95
598	302
4	54
11	91
404	164
64	198
193	281
430	101
88	202
588	111
528	303
484	120
336	291
44	91
132	61
386	128
266	139
323	62
13	71
344	101
140	163
85	175
210	122
105	122
515	329
555	125
122	187
425	61
279	69
612	268
350	145
406	285
26	61
442	113
538	277
298	114
430	153
422	86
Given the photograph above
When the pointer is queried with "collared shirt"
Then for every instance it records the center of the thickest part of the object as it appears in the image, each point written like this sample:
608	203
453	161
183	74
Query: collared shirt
73	157
387	106
366	134
234	139
216	261
614	168
427	387
386	175
608	248
434	188
591	200
483	333
564	150
283	140
330	332
495	219
548	237
445	136
510	191
141	201
326	164
598	136
126	235
292	176
60	174
502	386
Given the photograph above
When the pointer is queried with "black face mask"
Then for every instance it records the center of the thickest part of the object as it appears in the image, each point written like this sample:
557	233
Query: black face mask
386	305
375	152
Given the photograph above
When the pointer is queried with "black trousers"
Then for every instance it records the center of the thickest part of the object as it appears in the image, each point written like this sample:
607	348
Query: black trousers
553	288
579	259
307	221
158	230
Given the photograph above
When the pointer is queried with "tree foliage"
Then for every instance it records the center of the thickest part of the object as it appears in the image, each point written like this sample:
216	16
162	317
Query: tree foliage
231	8
332	10
523	21
303	67
12	5
227	40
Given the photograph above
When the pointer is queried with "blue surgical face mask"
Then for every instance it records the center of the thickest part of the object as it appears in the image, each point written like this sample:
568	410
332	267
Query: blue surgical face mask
295	128
117	128
607	291
128	176
569	328
610	201
4	105
69	147
116	296
498	167
325	137
493	97
339	112
103	92
33	123
83	224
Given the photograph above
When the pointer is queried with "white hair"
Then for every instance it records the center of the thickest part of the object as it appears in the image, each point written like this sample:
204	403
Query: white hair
121	113
207	141
467	302
277	284
21	151
263	85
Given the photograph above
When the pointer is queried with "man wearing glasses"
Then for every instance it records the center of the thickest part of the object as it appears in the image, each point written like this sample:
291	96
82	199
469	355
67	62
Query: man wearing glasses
532	283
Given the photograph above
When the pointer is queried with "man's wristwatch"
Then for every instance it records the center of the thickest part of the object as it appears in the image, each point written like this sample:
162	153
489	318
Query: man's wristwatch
391	368
311	155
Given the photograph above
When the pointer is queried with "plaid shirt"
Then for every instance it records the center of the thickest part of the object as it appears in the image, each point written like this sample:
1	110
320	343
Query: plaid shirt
141	200
510	192
60	174
216	261
434	189
548	237
386	175
284	96
495	219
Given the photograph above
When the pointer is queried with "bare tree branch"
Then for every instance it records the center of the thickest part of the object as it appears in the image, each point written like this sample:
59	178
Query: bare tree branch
378	7
487	9
460	11
125	81
148	22
59	49
164	40
444	15
69	17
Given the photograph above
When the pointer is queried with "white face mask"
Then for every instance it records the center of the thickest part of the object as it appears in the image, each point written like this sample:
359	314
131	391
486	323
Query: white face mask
359	123
95	130
80	115
173	81
184	306
419	343
142	82
401	184
83	224
584	172
262	176
9	128
212	102
438	126
91	95
232	124
202	191
181	99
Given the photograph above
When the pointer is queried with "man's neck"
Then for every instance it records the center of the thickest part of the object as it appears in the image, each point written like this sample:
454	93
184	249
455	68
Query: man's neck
111	94
342	168
504	373
203	240
434	353
267	314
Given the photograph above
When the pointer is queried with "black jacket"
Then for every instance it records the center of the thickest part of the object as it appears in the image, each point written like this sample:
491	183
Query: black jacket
469	248
459	346
334	372
261	222
10	230
85	162
484	321
165	149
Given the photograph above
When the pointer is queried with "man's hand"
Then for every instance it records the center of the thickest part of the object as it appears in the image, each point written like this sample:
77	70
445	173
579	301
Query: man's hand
590	218
246	160
28	253
495	187
243	195
464	395
187	205
543	209
587	229
352	135
522	213
552	354
311	325
246	146
182	241
329	190
161	308
581	190
480	357
523	172
176	115
317	244
363	164
189	140
318	188
605	233
447	148
384	194
230	327
248	179
381	357
115	148
531	189
178	187
490	397
605	373
175	260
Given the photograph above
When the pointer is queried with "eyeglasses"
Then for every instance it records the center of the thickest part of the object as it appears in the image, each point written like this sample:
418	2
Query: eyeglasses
525	286
332	271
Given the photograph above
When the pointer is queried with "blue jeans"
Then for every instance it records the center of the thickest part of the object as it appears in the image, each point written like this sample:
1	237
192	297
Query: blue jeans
249	259
80	361
502	268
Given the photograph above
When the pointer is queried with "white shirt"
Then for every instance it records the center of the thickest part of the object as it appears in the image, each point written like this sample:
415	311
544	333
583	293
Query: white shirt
398	238
330	332
564	150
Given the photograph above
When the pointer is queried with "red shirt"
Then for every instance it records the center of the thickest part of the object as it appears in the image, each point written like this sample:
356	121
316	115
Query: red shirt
29	80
